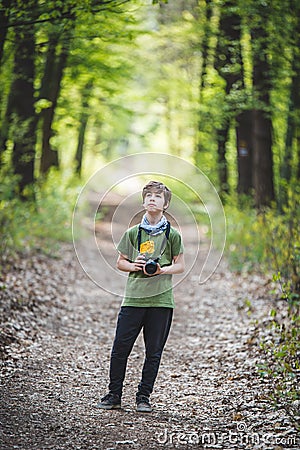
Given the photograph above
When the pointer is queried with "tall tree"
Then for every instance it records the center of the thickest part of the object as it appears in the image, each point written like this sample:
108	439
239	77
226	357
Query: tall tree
24	19
22	104
244	139
84	116
4	19
58	50
229	63
263	180
205	45
205	50
293	118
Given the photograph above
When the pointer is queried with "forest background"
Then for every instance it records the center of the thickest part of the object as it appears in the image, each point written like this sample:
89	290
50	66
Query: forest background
214	82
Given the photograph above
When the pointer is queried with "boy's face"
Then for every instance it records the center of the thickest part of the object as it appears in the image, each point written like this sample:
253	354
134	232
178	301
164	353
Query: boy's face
154	201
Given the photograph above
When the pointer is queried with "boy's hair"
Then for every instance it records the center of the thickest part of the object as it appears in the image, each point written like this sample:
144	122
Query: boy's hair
157	186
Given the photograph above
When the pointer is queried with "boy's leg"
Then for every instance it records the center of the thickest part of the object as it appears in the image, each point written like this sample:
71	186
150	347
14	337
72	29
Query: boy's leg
157	325
130	321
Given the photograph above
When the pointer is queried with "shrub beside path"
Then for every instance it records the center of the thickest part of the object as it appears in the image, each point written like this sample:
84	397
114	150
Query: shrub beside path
57	331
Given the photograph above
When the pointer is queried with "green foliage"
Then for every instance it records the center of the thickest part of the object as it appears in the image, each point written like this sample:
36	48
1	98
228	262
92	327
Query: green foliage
270	242
95	79
267	241
281	348
40	224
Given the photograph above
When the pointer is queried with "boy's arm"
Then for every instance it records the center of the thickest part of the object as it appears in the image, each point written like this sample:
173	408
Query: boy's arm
177	266
126	266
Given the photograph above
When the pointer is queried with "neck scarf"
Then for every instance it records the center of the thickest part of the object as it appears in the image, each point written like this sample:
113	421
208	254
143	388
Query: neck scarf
153	230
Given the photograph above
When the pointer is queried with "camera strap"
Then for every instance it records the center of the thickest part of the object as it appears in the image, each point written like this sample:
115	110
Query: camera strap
164	242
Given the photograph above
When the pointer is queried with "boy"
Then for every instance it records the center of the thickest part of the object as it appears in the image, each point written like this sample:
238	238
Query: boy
148	302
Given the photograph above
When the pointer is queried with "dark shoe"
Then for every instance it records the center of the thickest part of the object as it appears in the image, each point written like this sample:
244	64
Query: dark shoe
110	401
143	404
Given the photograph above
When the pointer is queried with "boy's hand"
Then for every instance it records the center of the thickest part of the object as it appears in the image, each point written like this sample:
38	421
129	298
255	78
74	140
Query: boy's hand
139	263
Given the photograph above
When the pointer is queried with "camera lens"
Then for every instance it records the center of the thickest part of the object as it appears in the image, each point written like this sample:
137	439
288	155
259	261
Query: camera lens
151	267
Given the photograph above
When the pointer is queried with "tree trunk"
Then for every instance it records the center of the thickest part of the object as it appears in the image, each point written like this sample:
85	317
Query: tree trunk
228	63
298	154
244	152
47	80
80	144
262	123
83	124
222	138
50	89
205	44
292	132
262	159
5	125
205	55
4	18
22	107
49	156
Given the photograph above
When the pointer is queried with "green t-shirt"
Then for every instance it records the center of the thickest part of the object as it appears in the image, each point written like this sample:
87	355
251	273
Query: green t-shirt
142	290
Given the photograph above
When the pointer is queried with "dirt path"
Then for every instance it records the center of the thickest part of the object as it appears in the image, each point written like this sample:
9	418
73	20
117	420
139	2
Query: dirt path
207	395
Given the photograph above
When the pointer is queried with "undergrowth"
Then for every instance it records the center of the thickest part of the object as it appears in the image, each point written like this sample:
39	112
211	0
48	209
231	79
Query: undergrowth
40	223
269	242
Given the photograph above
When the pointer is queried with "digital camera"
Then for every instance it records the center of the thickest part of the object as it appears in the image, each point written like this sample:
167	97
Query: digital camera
151	266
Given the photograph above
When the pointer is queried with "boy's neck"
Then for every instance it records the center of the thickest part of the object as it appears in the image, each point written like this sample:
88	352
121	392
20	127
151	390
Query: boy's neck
153	219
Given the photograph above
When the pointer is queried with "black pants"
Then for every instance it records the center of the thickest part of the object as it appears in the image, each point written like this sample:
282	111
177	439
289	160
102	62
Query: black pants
156	323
